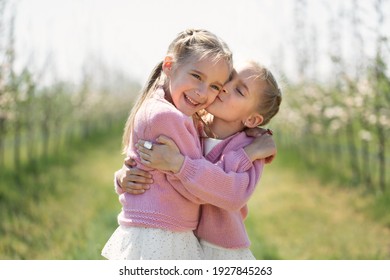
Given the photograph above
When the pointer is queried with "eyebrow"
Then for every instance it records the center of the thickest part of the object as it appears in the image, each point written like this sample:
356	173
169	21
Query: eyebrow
232	75
222	84
246	87
197	71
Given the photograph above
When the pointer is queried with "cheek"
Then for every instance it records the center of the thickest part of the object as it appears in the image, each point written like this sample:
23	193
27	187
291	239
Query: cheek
214	107
175	95
230	104
218	108
211	96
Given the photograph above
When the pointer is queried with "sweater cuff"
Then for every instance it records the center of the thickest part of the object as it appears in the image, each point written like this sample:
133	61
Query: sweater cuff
187	171
243	159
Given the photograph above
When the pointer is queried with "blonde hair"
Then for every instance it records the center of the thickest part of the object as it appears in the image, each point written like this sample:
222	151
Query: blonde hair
189	44
271	95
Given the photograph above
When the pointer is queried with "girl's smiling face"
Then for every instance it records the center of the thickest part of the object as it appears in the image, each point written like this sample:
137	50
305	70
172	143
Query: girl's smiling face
195	84
240	98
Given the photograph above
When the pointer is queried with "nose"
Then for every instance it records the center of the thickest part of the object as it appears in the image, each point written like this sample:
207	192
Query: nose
201	92
223	94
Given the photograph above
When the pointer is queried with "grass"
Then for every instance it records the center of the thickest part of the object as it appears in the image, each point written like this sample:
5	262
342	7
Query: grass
66	209
296	215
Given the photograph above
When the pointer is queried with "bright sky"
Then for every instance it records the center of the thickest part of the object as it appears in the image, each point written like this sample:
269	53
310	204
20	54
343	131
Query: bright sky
133	35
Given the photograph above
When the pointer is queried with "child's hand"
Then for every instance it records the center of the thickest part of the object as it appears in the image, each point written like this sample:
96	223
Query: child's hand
132	179
163	155
262	147
256	131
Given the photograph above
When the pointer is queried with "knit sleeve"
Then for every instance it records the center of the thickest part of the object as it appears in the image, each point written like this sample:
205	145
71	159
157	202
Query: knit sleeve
220	184
180	129
236	161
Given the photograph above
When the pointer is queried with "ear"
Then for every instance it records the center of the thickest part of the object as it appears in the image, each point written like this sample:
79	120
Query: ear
167	65
254	120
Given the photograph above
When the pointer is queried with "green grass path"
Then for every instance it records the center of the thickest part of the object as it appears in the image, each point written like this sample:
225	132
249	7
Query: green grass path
295	216
290	216
68	211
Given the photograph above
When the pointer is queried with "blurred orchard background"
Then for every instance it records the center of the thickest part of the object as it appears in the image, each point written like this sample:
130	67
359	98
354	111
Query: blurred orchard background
70	70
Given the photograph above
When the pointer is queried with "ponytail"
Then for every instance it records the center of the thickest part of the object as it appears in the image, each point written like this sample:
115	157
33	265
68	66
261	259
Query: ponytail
151	84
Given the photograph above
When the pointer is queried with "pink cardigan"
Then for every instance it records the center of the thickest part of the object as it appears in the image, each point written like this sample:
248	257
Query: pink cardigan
223	227
173	201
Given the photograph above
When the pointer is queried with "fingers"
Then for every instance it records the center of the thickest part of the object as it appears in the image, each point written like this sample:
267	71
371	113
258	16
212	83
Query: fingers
133	174
144	157
146	145
142	150
136	185
162	139
134	188
135	191
266	132
254	131
145	162
130	162
269	159
258	131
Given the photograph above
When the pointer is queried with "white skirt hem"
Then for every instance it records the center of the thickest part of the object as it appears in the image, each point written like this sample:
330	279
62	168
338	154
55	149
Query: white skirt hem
141	243
215	252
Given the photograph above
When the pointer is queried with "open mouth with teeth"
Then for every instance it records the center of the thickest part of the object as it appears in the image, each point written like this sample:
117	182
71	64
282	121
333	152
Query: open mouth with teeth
191	101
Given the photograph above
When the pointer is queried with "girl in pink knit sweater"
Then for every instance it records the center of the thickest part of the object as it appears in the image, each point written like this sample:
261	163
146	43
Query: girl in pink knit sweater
251	98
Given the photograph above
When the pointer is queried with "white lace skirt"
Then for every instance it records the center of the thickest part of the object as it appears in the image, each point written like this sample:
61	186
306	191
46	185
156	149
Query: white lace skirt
214	252
141	243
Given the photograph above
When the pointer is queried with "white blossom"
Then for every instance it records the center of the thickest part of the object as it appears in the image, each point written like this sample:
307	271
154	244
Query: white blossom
358	101
384	120
365	135
334	112
335	125
349	101
372	119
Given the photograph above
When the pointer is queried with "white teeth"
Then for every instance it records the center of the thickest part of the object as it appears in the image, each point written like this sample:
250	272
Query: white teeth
193	102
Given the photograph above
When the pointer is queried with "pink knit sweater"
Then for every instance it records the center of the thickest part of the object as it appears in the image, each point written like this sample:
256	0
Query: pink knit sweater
173	201
223	227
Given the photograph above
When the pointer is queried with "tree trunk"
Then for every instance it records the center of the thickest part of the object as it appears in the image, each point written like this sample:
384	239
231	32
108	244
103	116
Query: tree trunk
338	154
366	169
17	144
45	140
2	140
353	159
381	157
